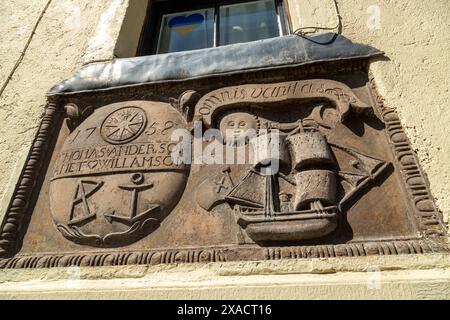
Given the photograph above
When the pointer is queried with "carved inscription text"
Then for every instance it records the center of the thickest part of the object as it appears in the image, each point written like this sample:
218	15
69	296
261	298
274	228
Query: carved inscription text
337	92
116	158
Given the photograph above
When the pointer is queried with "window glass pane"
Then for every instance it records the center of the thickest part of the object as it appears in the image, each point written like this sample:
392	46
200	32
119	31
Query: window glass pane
188	30
248	22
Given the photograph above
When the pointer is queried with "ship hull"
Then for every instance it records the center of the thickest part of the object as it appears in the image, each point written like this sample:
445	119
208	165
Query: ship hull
294	226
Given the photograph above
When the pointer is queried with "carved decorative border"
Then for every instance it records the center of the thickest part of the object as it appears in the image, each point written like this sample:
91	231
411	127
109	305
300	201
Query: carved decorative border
426	214
25	189
431	237
221	254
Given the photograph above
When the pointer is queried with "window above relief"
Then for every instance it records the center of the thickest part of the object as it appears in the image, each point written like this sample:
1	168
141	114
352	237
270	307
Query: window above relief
174	26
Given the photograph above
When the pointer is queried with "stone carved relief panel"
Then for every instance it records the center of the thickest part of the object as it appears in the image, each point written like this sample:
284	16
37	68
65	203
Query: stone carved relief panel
113	193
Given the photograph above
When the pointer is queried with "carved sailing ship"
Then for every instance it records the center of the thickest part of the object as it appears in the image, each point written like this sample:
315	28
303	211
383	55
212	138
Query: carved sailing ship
302	204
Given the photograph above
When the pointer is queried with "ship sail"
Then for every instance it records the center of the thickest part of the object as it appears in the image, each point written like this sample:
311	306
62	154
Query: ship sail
250	191
369	168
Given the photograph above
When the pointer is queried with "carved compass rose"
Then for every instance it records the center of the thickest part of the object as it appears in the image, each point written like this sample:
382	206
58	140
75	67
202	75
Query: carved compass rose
123	125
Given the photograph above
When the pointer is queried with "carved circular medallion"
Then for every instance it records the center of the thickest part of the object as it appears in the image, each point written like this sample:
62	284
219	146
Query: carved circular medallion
123	125
114	180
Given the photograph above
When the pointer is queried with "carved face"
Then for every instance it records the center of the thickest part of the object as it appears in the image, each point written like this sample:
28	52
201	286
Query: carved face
235	126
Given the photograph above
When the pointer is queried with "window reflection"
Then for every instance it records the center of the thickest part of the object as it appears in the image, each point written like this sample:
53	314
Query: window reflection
248	22
235	23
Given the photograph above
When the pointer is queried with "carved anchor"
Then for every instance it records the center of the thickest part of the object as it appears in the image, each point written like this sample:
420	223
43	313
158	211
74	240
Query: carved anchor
137	187
81	196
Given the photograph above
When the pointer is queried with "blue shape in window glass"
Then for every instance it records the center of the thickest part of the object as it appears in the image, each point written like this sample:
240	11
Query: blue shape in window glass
185	25
189	30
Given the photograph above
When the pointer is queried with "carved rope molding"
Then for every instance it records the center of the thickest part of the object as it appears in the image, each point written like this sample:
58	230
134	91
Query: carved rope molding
26	187
426	214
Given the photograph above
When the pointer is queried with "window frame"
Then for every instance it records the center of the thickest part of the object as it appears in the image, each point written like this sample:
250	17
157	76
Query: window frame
151	32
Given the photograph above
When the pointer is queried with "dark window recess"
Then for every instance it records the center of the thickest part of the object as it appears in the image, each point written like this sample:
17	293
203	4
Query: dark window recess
173	26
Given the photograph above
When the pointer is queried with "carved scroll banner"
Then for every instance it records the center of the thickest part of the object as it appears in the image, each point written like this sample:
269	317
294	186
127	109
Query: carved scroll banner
319	89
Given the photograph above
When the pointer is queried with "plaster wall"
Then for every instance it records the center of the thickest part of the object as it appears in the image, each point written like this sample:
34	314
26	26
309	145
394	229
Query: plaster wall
130	31
414	80
71	32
